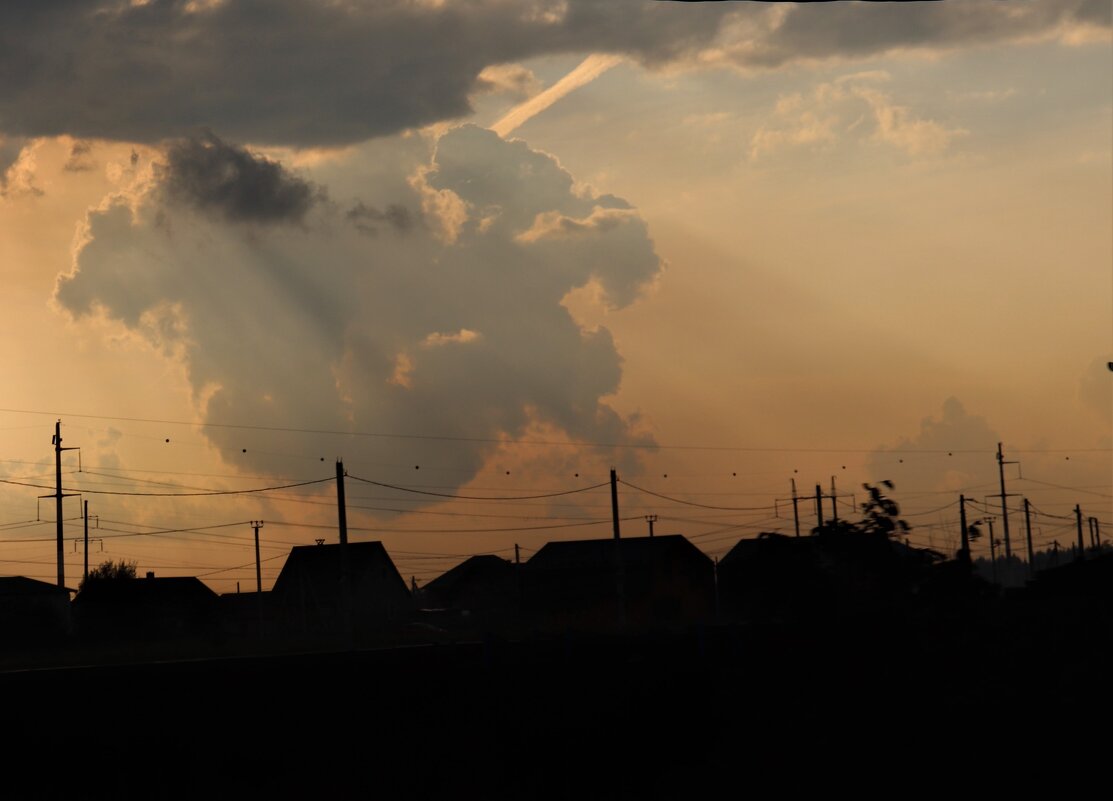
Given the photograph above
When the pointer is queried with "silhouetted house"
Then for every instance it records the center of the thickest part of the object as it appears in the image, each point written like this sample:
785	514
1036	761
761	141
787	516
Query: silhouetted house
151	608
246	614
1087	582
480	591
636	583
323	589
32	611
842	573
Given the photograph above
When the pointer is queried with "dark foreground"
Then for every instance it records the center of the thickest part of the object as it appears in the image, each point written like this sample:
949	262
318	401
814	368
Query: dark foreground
730	711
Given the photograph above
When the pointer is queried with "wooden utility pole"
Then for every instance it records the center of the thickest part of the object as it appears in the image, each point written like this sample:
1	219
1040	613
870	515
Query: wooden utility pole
819	506
1081	545
1028	531
58	496
614	502
347	601
795	508
1004	499
85	519
258	524
834	505
964	552
651	519
620	577
341	507
992	549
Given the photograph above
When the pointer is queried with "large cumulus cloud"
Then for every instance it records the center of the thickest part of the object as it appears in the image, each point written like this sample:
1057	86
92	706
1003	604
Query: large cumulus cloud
302	72
448	322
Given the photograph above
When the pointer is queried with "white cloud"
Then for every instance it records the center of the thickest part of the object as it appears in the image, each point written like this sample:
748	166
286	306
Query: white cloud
849	109
308	323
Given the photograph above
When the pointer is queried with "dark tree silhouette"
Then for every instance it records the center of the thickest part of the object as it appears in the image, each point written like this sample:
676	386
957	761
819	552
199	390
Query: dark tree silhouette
880	514
110	571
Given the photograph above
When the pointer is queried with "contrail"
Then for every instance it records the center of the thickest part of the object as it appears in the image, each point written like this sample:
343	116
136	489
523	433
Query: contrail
589	69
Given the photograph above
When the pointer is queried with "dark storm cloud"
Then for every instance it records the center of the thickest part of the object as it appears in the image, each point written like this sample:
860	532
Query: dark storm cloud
850	30
363	218
219	178
296	72
302	72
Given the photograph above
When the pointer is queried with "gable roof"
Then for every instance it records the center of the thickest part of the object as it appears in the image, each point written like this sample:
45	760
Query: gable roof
324	563
149	590
485	571
23	586
600	554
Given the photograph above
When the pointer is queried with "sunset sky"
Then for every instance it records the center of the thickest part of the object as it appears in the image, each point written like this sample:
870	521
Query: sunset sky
493	249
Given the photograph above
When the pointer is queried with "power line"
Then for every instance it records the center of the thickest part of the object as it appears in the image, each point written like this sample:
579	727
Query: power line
478	497
693	503
177	494
520	441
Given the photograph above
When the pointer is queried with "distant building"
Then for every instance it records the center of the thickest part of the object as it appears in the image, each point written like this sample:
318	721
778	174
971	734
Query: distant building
637	583
323	589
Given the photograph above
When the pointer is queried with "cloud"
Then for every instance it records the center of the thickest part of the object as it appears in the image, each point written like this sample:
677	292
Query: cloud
511	79
396	216
937	458
306	73
314	325
780	35
229	181
843	109
17	167
80	158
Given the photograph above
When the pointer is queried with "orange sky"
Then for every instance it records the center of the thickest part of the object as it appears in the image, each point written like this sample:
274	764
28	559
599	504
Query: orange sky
715	273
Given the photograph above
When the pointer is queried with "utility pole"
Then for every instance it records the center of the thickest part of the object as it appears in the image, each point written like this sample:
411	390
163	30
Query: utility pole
992	549
258	524
1028	531
651	519
1004	498
340	505
58	496
517	556
1095	533
964	552
795	508
620	577
85	518
819	506
834	505
1081	546
614	502
345	566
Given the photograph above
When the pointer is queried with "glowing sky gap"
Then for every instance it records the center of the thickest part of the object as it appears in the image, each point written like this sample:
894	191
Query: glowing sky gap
588	70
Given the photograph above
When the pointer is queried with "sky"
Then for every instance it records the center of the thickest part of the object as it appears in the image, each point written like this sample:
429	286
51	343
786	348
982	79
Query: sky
484	252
